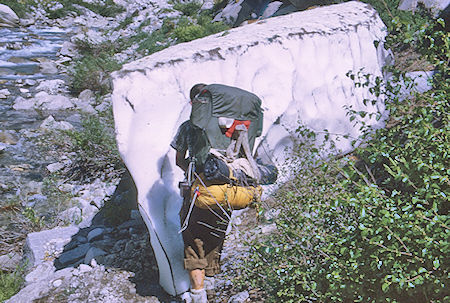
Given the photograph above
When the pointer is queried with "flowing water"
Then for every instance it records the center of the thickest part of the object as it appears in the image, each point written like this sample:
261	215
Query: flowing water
21	52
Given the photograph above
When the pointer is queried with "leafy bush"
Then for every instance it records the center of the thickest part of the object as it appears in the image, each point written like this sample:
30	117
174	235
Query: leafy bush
91	71
108	9
193	24
95	150
20	7
373	226
10	283
188	8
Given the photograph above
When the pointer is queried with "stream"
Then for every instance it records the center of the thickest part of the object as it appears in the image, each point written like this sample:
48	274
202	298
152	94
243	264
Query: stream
22	50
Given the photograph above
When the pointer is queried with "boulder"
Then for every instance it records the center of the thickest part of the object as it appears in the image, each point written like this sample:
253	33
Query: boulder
4	93
51	86
21	103
50	123
10	262
48	244
52	102
48	68
8	17
435	6
68	49
297	65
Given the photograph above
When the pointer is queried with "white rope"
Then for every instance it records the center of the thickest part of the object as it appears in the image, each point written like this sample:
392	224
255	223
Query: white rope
215	200
186	220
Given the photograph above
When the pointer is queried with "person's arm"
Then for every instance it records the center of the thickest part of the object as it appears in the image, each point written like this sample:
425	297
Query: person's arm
181	161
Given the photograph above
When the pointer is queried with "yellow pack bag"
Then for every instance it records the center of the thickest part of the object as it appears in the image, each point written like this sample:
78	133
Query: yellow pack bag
227	195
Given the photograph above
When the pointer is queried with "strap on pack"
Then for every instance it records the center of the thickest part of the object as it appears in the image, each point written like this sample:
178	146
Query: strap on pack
241	141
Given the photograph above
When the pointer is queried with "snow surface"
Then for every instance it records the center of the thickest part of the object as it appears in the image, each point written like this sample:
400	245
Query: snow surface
296	64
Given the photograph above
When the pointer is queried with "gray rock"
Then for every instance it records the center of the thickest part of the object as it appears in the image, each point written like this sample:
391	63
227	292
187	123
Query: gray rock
27	22
72	215
83	106
84	268
435	5
48	68
95	234
8	18
29	82
420	81
51	86
8	138
10	262
50	123
68	49
4	93
239	298
131	223
52	102
40	272
105	244
72	256
269	228
47	244
93	253
54	167
21	103
86	96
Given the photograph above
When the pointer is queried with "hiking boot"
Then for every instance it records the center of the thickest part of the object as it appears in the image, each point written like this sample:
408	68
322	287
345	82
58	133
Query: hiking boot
199	296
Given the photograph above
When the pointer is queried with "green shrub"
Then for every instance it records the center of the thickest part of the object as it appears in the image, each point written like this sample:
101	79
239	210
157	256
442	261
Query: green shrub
20	7
108	9
188	8
95	150
92	69
10	283
371	227
193	24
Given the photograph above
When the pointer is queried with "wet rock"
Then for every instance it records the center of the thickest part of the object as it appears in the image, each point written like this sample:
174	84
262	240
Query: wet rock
8	18
4	93
68	49
74	255
95	234
48	68
93	253
29	82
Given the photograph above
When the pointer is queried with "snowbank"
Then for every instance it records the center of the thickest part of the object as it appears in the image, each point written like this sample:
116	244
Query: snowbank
296	64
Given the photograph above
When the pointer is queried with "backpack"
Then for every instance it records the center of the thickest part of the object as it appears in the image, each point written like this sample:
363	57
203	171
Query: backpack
221	101
241	110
